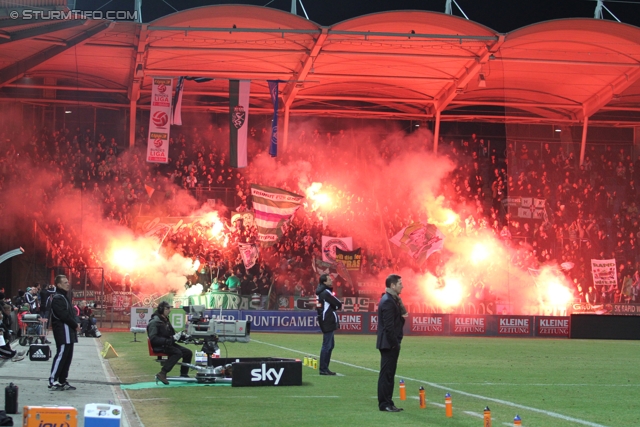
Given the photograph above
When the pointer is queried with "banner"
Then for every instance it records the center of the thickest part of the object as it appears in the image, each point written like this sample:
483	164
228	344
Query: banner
526	207
329	245
419	240
350	259
273	145
159	117
249	253
238	122
140	316
604	272
176	116
272	207
247	219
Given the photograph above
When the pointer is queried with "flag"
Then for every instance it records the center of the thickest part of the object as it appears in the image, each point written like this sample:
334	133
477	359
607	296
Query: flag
150	190
272	207
273	90
350	259
249	252
330	244
159	120
238	122
176	116
604	272
419	240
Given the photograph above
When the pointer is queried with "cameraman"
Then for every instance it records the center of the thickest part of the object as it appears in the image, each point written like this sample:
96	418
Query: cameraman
162	337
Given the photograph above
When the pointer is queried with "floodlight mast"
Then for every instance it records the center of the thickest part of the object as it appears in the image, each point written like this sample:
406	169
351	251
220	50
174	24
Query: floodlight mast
294	8
448	9
598	12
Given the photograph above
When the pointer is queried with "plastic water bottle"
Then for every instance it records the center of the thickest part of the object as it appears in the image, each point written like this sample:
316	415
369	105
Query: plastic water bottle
403	391
448	407
517	421
487	417
423	399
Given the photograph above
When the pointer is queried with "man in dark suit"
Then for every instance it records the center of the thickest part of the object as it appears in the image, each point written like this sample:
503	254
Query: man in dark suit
391	316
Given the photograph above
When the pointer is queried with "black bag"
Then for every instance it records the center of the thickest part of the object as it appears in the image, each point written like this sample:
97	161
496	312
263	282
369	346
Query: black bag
5	420
39	352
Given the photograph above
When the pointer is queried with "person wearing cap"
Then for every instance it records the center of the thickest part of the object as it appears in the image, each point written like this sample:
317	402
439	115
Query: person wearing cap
328	319
162	337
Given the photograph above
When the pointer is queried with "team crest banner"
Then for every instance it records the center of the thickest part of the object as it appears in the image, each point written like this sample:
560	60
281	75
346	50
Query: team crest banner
419	240
159	118
604	272
238	122
249	253
329	245
272	208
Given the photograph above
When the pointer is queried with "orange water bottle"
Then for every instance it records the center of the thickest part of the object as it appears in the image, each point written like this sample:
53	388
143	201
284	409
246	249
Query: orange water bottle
403	391
423	399
517	421
487	417
448	408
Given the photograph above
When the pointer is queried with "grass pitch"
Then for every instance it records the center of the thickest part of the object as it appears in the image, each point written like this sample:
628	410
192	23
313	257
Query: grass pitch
548	382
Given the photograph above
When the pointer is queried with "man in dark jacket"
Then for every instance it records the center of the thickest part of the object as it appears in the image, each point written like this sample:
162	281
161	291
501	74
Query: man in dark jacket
65	332
162	337
328	319
391	316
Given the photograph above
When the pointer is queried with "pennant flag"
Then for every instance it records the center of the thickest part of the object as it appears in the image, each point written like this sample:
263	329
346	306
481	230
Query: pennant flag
249	254
150	190
159	120
350	259
272	207
419	240
238	117
273	90
176	116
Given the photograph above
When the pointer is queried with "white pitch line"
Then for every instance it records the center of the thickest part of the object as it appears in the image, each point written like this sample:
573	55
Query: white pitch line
460	392
474	414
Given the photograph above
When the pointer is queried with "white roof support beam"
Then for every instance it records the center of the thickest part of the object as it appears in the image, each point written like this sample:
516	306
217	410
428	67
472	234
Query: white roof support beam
40	30
293	86
136	77
606	94
448	93
19	68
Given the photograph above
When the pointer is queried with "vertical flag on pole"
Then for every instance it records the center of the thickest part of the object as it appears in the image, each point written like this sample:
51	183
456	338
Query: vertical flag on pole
176	117
238	116
273	90
159	118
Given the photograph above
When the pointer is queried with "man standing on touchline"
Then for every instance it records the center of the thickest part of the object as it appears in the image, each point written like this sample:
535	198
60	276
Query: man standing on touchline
65	332
391	317
328	319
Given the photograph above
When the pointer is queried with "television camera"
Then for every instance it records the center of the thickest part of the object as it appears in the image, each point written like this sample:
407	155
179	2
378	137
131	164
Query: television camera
208	333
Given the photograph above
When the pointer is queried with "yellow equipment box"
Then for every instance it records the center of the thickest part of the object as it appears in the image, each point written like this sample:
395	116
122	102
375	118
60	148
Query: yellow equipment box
37	416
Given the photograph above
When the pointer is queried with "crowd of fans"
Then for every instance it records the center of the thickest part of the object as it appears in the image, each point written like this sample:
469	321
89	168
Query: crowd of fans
591	209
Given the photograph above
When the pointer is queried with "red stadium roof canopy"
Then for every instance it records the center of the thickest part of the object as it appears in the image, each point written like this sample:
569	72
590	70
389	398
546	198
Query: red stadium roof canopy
396	65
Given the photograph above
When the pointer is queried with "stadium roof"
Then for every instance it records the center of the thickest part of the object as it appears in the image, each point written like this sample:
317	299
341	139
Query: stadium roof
397	65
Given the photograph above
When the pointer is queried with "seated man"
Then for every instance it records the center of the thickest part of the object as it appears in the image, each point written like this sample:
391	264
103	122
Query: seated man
6	352
162	337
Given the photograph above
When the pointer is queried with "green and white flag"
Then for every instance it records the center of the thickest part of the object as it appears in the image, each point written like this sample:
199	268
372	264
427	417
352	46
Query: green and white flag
238	122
